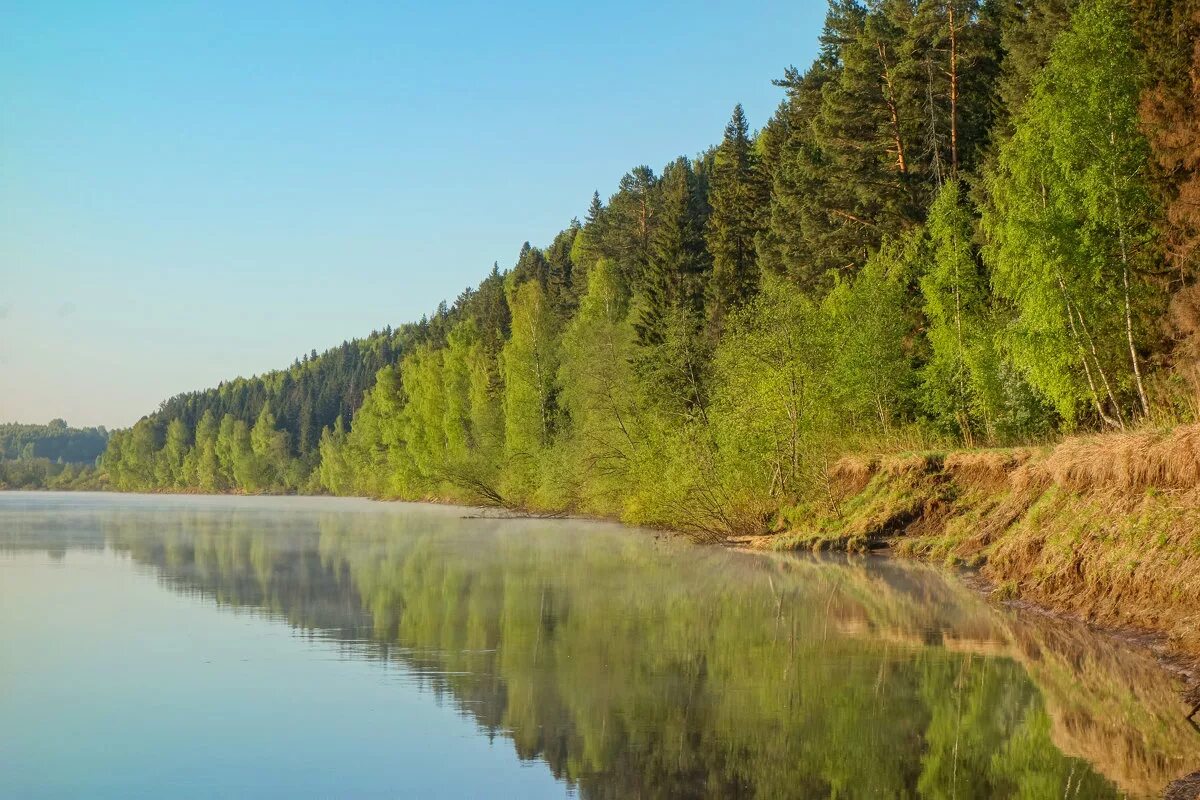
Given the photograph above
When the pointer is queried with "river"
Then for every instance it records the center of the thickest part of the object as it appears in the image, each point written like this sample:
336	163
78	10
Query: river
168	646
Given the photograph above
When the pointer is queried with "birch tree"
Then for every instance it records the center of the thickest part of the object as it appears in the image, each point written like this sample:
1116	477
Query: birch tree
1069	220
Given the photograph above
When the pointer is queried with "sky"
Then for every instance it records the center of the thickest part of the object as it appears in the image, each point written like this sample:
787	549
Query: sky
193	191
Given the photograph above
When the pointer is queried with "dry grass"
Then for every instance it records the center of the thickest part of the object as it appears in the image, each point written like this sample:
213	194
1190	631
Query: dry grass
909	464
1130	462
1109	560
851	474
1107	527
986	469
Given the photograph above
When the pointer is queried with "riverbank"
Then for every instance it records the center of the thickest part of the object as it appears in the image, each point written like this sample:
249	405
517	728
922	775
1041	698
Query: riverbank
1106	528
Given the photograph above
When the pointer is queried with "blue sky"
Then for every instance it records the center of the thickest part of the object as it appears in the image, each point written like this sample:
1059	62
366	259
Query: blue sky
193	191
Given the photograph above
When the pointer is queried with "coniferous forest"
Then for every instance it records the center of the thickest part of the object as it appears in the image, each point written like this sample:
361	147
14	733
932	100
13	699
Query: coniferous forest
969	224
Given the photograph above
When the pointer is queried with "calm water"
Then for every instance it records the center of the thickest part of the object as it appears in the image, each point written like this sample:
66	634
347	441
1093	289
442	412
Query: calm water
287	647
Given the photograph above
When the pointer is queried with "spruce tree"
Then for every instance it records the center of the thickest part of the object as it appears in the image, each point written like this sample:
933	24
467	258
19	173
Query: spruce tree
738	198
679	265
793	242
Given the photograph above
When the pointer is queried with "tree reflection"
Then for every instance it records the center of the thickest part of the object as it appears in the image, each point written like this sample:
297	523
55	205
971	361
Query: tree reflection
639	667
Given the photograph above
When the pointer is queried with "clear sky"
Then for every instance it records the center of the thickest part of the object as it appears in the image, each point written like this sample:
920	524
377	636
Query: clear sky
191	191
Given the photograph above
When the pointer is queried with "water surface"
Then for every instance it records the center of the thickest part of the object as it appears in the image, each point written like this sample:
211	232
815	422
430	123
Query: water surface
161	646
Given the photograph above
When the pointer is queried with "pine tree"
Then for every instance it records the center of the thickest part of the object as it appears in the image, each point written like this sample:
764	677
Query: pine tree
629	224
531	266
868	126
956	47
1027	31
561	288
794	242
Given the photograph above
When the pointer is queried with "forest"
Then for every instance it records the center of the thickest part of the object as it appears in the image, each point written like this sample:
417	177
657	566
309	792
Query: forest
54	456
969	224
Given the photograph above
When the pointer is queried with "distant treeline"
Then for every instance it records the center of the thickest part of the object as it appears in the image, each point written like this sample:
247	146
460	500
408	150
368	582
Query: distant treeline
305	398
54	455
968	223
55	441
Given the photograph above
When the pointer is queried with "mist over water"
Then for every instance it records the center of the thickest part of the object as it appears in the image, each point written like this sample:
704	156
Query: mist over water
233	646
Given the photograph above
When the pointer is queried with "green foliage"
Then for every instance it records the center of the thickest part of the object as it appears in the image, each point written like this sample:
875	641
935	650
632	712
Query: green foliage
51	456
961	378
699	349
42	473
770	408
169	462
269	449
595	379
530	363
871	375
737	195
212	458
208	476
1070	216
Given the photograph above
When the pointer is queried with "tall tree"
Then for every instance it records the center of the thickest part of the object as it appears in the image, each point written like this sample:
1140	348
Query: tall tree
1169	32
956	44
561	289
595	380
679	264
530	361
961	378
738	200
170	460
207	470
871	373
768	410
799	239
425	416
629	223
1069	220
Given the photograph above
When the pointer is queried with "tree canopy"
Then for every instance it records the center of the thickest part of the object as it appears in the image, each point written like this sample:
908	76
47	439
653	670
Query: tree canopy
967	224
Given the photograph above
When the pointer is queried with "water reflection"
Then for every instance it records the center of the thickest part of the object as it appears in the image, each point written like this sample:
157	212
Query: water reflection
635	666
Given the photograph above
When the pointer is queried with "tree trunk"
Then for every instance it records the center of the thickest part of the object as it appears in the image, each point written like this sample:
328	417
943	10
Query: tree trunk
1137	369
1083	357
893	109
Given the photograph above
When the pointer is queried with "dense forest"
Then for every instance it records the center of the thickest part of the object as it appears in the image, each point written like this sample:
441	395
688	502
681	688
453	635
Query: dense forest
54	455
970	223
